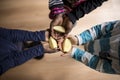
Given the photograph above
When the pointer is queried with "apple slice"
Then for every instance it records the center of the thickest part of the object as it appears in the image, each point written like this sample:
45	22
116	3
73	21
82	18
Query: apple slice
59	29
67	45
53	43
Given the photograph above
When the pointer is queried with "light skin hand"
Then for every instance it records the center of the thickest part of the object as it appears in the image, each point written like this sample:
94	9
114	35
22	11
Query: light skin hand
73	39
47	48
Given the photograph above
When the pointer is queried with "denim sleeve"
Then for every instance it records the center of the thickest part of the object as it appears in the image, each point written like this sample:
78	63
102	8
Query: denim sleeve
15	35
17	58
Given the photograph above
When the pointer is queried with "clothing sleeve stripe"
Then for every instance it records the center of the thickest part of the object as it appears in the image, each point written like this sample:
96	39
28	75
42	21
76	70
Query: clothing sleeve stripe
85	36
55	2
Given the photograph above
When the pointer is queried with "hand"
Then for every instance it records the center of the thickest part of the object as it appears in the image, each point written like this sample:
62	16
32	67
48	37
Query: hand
67	24
58	20
61	20
47	48
74	40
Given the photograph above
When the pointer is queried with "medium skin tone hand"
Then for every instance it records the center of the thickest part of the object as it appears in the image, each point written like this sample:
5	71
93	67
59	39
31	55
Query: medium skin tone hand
47	48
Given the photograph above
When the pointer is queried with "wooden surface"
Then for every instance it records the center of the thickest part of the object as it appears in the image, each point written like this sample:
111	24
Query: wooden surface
33	15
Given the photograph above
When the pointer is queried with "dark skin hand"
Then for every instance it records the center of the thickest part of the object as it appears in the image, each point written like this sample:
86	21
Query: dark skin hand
60	20
68	25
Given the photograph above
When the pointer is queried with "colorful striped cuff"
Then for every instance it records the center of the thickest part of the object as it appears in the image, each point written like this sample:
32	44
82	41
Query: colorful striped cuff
56	11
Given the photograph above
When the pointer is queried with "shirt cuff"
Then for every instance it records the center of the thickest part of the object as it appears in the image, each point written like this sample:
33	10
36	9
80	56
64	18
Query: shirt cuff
73	51
55	11
79	39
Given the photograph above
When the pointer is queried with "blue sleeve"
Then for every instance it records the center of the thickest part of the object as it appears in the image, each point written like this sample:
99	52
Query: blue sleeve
85	57
15	35
16	58
96	32
94	61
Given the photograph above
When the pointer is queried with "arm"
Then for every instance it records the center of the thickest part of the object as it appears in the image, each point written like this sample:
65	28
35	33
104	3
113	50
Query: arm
97	32
93	61
15	35
85	57
56	14
83	9
16	58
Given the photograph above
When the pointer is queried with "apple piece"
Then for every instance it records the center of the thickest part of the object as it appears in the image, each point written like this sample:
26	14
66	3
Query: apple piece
59	29
67	45
53	43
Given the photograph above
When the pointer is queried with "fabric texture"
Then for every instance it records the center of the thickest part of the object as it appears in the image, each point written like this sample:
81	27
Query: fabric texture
102	47
11	54
74	9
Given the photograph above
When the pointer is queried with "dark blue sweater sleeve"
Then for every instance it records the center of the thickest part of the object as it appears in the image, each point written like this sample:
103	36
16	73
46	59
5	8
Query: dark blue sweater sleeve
83	9
15	35
17	58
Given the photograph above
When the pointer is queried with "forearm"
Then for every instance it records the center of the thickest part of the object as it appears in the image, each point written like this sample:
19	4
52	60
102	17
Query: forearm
85	57
98	62
26	55
17	58
83	9
15	35
96	32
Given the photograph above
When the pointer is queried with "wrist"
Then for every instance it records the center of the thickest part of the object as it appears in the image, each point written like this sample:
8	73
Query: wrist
60	15
71	18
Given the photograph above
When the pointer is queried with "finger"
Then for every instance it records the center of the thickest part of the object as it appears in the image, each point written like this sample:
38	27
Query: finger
64	22
60	45
65	35
53	51
51	29
67	31
63	55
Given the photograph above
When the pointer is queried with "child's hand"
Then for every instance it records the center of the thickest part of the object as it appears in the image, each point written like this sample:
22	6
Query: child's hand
67	24
57	21
47	48
73	39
